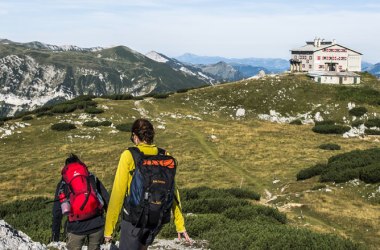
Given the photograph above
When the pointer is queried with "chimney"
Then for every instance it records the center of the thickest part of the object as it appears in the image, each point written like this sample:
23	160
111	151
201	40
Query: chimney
319	42
333	41
315	42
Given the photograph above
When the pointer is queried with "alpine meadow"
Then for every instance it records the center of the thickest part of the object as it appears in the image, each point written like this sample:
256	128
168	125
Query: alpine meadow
258	168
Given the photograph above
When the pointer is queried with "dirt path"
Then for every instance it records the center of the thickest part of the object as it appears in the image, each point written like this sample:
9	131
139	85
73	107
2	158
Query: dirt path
232	166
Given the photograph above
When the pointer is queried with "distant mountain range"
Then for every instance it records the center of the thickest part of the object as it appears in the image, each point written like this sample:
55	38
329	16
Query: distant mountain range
213	72
374	69
275	65
32	74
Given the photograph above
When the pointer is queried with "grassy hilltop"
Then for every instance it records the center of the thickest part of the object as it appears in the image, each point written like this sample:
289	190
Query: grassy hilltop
217	149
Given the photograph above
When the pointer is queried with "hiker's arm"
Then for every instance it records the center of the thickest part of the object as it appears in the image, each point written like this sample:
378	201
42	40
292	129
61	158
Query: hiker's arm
179	221
119	190
57	216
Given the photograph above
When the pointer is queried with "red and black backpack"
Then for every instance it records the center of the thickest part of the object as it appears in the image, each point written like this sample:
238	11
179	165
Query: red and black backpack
84	199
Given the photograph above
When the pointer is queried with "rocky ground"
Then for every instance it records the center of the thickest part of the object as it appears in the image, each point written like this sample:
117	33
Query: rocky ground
12	239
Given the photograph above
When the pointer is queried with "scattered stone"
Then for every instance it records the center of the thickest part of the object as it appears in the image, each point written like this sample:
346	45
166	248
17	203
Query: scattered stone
240	112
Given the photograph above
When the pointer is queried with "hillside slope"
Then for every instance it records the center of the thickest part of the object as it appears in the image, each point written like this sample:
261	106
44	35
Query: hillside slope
32	74
220	142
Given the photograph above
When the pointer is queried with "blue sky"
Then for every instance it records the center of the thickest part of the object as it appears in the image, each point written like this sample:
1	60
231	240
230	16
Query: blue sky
239	28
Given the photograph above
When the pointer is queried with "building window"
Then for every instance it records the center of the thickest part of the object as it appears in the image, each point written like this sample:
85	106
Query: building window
319	58
310	57
321	66
310	66
303	65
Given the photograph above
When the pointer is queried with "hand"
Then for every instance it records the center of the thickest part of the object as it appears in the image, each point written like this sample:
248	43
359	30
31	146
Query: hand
107	239
185	235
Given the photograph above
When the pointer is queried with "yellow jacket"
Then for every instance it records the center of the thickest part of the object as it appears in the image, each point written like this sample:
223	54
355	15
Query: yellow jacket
121	186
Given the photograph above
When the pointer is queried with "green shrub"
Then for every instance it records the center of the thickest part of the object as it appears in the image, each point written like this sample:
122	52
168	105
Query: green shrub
48	113
34	211
1	123
325	122
252	212
371	173
64	108
318	187
93	110
105	123
212	205
182	90
357	123
63	126
372	123
91	124
329	146
296	122
358	95
124	127
236	227
345	167
372	132
358	111
340	176
310	172
119	97
330	129
27	118
85	104
243	193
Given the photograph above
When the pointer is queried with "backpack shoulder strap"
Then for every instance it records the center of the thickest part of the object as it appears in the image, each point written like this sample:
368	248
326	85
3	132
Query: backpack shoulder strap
136	154
161	151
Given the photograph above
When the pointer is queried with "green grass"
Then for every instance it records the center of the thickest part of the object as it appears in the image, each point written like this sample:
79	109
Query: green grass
214	149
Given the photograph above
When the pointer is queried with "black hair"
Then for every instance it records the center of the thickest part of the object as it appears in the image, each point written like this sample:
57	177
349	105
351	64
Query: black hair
72	158
144	130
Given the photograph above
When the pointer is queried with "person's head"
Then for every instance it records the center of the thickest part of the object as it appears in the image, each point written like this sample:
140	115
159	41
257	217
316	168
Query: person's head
142	131
72	158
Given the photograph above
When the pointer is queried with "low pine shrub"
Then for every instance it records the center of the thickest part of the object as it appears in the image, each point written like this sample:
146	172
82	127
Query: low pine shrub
358	111
246	226
296	122
330	129
63	126
357	123
47	113
357	164
124	127
105	123
372	123
325	122
91	124
64	108
36	212
85	104
119	97
371	173
237	227
93	110
311	172
318	187
329	146
372	132
27	118
340	176
182	90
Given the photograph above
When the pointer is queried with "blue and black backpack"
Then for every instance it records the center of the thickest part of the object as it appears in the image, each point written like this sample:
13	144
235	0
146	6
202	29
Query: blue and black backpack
151	195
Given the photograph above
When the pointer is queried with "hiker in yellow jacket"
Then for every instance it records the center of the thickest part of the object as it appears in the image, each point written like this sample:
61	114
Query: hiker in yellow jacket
132	237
